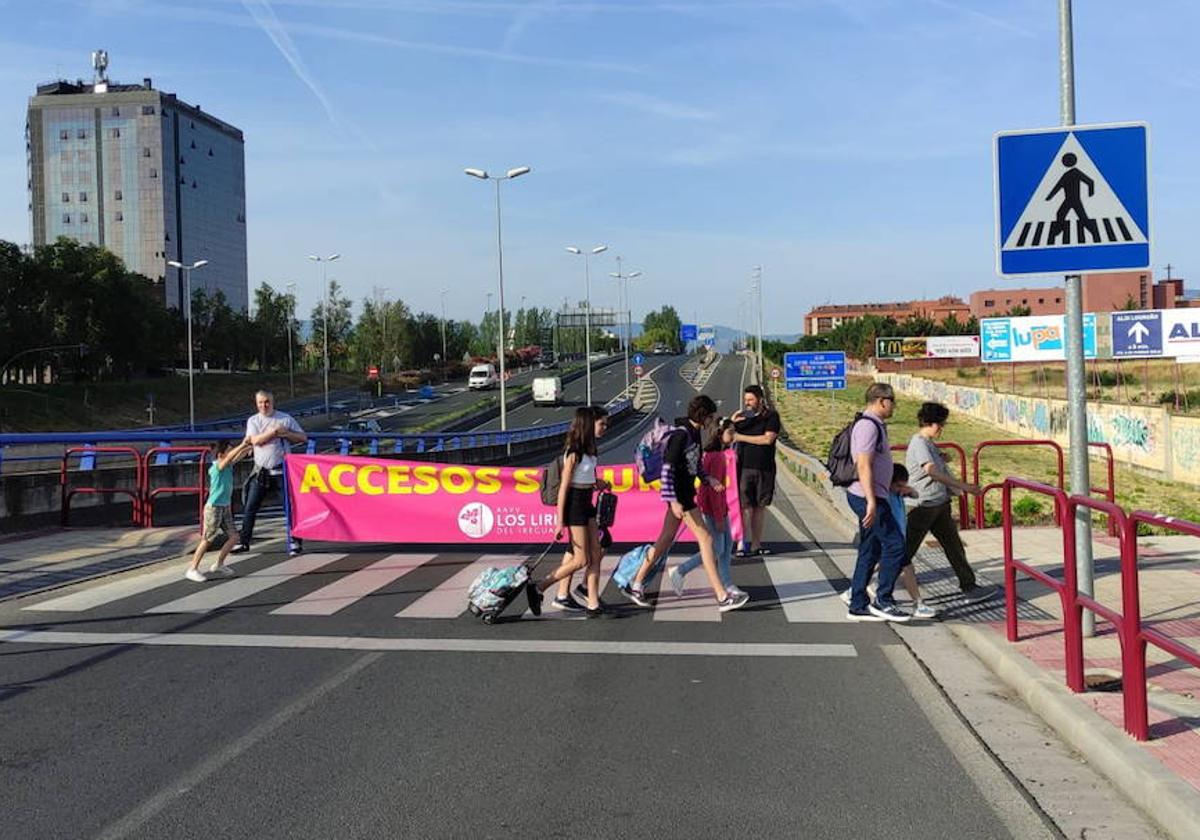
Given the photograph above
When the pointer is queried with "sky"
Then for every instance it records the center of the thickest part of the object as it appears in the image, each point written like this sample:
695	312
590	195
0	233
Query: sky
845	146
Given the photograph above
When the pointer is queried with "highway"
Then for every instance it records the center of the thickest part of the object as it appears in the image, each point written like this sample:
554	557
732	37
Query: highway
345	693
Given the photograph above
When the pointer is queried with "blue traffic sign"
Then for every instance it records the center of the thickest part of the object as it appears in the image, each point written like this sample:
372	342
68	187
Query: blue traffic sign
687	332
1137	334
639	359
820	371
1072	199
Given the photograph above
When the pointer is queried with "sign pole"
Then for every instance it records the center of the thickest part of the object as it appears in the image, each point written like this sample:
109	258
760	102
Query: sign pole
1076	374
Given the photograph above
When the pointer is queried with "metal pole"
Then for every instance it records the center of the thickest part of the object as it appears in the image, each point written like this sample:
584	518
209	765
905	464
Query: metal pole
587	323
187	283
325	332
443	324
624	287
500	263
291	368
1076	374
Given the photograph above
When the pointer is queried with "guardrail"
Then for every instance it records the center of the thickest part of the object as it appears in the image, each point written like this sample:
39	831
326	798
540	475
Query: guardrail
964	511
1133	635
983	490
87	455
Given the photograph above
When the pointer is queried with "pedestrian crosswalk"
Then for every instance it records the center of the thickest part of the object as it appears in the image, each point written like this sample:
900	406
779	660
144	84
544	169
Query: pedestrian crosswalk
324	584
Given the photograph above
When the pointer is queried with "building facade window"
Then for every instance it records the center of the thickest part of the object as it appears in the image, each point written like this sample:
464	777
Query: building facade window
145	151
83	196
116	132
116	112
148	110
81	134
117	195
66	218
83	218
120	217
66	198
64	135
153	172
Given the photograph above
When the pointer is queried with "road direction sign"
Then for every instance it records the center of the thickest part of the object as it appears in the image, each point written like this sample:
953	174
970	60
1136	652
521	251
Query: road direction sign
1072	199
776	373
637	370
687	332
823	371
1137	334
639	359
1036	338
706	335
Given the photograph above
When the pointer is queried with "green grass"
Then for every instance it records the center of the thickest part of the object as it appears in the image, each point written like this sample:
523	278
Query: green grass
811	419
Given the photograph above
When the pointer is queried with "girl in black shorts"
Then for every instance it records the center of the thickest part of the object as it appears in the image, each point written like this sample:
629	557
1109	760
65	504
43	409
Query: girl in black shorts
577	512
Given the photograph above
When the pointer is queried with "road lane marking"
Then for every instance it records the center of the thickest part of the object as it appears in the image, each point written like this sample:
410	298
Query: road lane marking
345	591
124	587
223	594
803	590
370	643
697	603
449	600
607	564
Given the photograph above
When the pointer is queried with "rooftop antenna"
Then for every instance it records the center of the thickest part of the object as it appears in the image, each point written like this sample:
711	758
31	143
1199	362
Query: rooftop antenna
100	65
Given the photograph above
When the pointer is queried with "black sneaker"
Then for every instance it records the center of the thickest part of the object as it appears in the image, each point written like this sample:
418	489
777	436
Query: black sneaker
637	596
239	548
580	591
535	599
733	602
888	612
567	604
979	594
861	615
596	612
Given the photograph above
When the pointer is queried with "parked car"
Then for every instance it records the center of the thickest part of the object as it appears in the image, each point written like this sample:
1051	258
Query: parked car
547	361
482	377
547	390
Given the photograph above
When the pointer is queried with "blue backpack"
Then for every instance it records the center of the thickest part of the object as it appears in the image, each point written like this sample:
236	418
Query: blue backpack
629	564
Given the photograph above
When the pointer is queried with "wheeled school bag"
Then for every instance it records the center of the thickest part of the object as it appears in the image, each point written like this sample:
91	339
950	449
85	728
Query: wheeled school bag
498	586
627	567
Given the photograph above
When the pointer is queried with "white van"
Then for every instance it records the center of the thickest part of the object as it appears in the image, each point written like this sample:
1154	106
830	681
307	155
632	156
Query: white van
483	376
547	390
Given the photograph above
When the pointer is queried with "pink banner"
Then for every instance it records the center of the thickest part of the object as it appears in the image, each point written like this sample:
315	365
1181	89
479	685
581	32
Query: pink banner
341	498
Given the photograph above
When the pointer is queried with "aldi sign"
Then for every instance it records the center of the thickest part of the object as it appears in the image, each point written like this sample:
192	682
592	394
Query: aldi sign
1156	333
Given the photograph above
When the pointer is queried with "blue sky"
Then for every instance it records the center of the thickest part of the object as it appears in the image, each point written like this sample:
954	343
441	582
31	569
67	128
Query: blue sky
844	145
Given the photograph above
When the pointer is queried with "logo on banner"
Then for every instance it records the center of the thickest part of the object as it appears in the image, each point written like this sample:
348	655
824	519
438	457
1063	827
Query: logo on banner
1048	337
476	520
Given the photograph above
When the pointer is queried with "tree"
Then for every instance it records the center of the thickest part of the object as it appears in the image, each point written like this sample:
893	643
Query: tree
274	327
341	326
1019	311
660	327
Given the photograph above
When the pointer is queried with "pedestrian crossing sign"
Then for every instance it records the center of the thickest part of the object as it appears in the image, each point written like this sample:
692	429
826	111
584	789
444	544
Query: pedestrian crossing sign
1072	199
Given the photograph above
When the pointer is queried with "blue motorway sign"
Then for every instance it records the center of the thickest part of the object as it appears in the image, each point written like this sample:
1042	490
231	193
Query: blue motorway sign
687	332
639	359
820	371
1137	333
1072	199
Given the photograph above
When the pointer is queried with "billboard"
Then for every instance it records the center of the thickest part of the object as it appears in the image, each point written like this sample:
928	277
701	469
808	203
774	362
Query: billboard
1034	338
928	347
1156	333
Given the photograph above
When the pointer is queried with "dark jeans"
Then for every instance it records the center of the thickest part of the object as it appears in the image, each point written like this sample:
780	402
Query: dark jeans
882	544
258	487
938	520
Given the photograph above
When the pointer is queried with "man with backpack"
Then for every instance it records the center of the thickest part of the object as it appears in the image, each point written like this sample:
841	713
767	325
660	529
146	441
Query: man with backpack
880	536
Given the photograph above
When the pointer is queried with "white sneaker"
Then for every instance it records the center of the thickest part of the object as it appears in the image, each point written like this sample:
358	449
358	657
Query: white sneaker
924	612
195	575
676	580
221	572
735	591
845	596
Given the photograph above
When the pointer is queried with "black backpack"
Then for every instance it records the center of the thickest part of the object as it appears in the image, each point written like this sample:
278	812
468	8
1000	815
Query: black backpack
551	481
840	466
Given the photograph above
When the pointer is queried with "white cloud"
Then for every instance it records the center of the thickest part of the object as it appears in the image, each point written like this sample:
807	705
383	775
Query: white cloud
656	107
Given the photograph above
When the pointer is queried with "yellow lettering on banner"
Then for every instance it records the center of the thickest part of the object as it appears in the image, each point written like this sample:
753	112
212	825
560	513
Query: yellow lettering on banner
313	479
335	479
397	483
621	485
457	480
427	480
528	480
364	485
487	480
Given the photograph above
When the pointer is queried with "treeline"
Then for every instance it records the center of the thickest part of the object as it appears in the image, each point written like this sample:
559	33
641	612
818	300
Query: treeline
72	311
857	337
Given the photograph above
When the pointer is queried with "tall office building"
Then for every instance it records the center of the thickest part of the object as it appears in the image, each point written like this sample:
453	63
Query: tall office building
143	174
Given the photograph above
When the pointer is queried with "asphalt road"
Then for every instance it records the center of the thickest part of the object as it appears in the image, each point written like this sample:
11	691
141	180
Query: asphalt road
242	712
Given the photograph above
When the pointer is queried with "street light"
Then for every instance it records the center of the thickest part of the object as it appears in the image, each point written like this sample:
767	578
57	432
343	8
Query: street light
325	316
756	285
623	289
508	176
587	312
187	286
291	287
444	292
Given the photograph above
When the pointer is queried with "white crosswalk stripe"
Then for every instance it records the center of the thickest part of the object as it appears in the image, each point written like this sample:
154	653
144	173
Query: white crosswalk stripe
223	594
450	599
346	590
803	590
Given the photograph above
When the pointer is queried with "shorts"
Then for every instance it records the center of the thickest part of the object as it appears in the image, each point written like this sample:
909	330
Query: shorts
756	488
685	494
218	521
580	509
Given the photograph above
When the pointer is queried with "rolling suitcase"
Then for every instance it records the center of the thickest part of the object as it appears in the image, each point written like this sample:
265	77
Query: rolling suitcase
497	587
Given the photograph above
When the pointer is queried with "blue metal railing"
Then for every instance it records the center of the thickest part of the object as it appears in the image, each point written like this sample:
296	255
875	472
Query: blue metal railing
318	442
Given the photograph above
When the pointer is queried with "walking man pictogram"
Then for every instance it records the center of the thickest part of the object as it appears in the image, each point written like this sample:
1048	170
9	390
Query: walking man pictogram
1070	184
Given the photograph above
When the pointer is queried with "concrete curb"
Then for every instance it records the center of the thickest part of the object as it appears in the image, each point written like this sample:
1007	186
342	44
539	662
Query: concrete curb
1167	799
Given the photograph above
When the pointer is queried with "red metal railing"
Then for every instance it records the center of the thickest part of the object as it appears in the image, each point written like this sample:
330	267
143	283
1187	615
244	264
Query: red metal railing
67	492
1134	678
983	490
1110	491
964	512
149	493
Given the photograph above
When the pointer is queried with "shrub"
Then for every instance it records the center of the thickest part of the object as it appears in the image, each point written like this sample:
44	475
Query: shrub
1026	507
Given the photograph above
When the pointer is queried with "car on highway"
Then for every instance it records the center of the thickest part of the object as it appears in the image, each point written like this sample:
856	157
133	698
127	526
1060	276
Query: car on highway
547	361
662	350
547	390
482	377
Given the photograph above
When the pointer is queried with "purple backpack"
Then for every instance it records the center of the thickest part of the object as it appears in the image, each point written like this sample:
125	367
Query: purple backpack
650	450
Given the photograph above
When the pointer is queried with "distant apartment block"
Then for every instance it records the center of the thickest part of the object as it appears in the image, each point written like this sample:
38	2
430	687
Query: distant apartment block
143	174
1101	293
823	319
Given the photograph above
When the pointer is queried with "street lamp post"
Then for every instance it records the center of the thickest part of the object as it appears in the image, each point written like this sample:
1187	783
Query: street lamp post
757	286
325	316
623	286
291	287
187	287
443	294
482	174
587	311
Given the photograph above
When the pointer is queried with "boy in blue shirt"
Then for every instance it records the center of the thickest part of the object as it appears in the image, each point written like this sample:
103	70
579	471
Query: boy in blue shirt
218	512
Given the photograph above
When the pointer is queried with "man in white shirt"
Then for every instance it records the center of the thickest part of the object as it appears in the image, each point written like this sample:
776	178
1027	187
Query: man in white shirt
272	434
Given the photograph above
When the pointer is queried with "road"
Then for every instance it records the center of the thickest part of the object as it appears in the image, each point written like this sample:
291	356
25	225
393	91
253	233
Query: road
345	694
